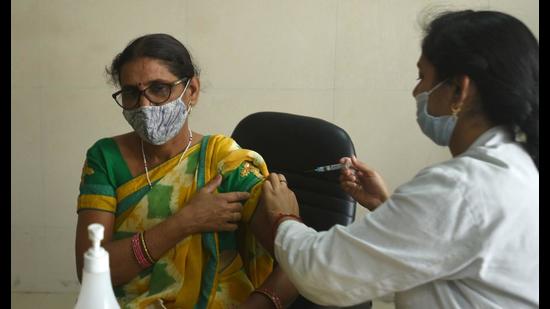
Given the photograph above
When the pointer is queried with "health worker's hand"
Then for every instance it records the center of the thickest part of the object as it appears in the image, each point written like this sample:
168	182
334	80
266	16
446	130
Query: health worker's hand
364	184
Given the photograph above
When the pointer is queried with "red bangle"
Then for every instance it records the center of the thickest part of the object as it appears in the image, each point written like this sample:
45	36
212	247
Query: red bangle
275	300
138	252
280	217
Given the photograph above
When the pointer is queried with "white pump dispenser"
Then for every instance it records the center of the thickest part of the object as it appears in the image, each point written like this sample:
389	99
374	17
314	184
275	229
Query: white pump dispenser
96	291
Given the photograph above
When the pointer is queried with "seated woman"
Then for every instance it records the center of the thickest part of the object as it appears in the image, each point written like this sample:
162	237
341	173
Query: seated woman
178	207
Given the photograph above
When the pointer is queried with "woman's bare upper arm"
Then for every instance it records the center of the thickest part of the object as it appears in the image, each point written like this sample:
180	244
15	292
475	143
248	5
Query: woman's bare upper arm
259	224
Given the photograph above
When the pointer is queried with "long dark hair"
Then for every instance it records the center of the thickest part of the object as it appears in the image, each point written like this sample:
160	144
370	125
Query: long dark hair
501	55
157	46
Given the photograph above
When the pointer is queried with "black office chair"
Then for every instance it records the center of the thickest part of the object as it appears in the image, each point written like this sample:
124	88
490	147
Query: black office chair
294	145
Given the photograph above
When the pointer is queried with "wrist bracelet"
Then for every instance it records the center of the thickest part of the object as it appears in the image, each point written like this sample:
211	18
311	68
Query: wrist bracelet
138	252
280	217
144	246
270	294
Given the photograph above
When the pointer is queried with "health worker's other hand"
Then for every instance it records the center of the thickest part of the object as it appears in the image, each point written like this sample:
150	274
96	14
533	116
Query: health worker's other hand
208	211
364	184
277	198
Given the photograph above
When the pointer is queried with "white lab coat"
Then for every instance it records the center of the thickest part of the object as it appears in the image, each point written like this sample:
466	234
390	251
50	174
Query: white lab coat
461	234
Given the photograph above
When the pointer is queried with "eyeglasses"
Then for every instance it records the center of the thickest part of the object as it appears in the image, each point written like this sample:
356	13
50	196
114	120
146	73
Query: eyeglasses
157	93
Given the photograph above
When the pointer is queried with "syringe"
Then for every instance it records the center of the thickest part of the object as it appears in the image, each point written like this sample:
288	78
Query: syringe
328	168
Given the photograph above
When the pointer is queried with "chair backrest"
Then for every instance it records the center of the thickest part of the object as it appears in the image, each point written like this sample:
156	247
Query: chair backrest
294	145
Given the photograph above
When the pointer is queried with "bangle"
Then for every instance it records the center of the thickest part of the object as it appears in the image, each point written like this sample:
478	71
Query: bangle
144	246
275	300
280	217
138	252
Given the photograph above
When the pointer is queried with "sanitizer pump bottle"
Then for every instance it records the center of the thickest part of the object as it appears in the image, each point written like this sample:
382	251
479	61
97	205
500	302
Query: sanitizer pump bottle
96	291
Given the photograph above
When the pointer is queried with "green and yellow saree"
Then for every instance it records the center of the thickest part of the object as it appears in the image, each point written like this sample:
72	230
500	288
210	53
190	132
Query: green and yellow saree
188	275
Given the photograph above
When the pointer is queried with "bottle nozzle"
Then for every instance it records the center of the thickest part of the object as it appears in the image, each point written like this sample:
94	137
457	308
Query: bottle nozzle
95	234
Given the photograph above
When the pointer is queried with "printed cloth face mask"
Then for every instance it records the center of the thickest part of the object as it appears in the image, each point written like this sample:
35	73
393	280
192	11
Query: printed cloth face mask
438	129
159	124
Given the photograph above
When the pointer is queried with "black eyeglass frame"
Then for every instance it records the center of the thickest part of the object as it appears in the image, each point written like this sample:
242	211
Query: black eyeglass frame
142	92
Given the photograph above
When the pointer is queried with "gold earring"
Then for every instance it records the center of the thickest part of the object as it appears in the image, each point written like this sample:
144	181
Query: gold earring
455	110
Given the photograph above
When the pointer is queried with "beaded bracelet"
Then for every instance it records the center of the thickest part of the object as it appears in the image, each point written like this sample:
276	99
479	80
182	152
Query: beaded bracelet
138	252
275	300
144	247
277	222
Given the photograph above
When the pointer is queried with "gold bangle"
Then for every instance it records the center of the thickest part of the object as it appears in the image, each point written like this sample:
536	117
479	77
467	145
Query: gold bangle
144	246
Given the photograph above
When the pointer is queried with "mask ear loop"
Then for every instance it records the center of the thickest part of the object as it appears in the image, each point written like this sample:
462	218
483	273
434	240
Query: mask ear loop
436	86
188	108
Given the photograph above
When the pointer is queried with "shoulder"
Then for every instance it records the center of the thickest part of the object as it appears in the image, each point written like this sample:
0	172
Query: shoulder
479	167
470	183
474	164
220	146
450	172
101	146
228	154
227	145
457	177
438	189
111	145
222	143
435	202
103	153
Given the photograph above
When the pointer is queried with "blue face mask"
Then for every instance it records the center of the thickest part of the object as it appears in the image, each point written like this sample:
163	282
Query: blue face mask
438	129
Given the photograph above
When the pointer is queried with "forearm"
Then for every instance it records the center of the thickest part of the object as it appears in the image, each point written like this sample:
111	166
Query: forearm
123	264
264	227
280	285
277	281
159	239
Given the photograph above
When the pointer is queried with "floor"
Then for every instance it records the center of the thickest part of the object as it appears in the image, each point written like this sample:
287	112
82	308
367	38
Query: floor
62	301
